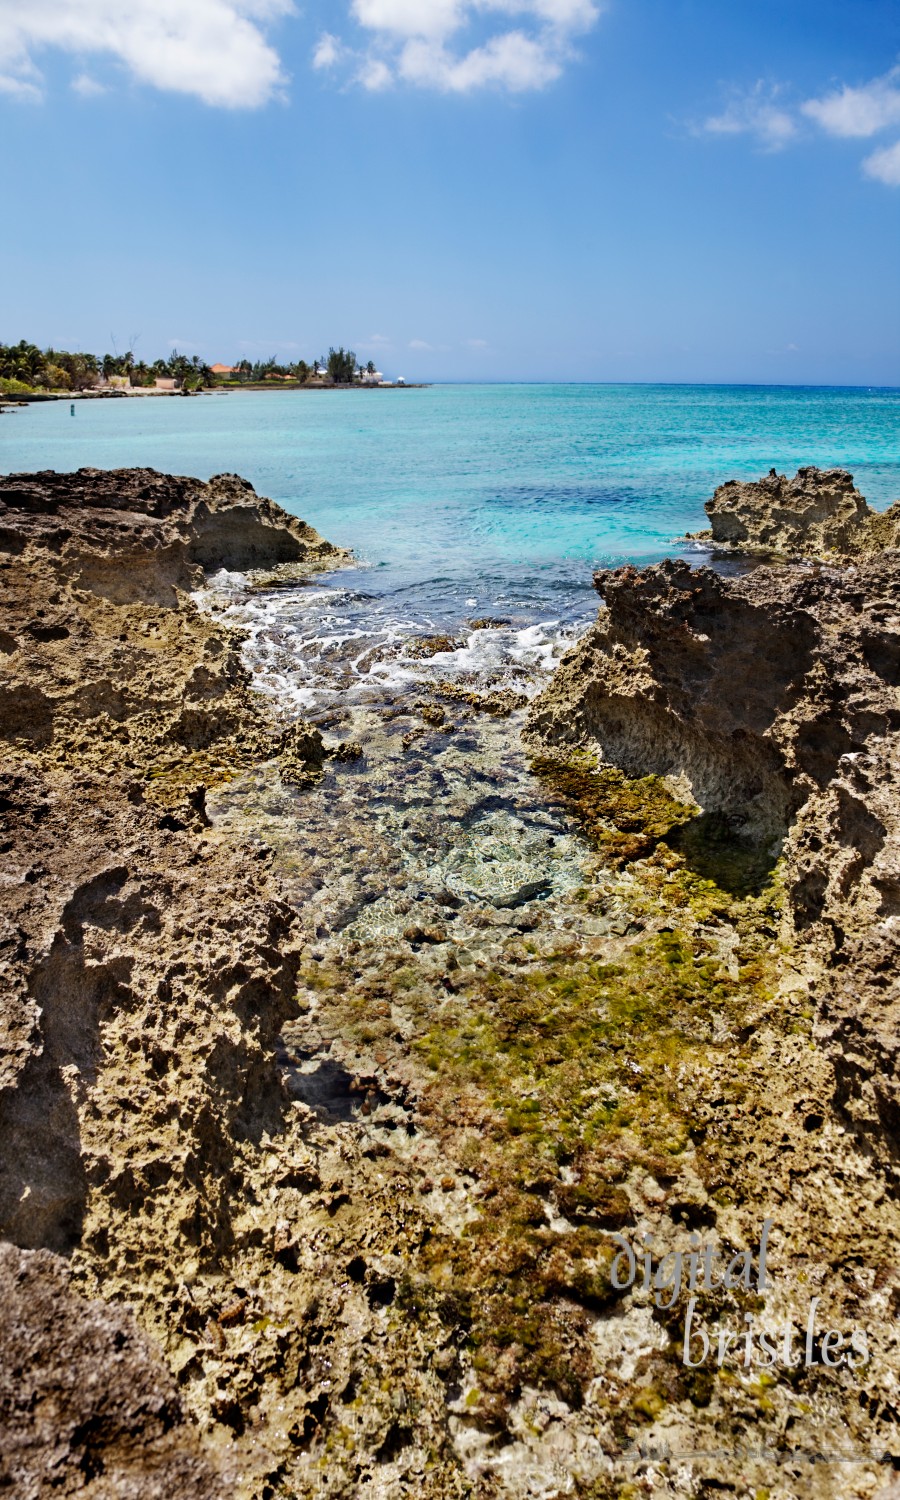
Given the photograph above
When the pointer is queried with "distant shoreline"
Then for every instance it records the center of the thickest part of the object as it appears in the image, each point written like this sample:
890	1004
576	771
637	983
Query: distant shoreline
38	397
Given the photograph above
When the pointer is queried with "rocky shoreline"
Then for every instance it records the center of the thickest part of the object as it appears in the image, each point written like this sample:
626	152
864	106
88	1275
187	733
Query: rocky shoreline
323	1188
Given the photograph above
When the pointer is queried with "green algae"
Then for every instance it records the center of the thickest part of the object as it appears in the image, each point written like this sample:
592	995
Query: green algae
567	1073
627	819
624	818
585	1073
423	646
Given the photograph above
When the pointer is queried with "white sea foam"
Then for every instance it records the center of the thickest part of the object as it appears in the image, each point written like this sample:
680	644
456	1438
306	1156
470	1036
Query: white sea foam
311	648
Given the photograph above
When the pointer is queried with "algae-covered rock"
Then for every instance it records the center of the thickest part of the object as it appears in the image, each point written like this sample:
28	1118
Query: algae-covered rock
302	755
769	702
350	1093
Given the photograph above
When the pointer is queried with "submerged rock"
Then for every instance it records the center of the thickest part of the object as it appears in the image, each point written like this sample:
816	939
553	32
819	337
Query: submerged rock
500	861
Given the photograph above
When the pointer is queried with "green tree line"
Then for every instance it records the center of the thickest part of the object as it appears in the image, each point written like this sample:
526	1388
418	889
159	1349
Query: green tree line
25	367
339	366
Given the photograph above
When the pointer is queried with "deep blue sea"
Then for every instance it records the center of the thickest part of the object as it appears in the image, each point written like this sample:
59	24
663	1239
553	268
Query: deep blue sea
480	500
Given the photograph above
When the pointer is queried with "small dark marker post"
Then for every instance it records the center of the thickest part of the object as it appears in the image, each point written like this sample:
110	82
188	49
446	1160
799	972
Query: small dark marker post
72	408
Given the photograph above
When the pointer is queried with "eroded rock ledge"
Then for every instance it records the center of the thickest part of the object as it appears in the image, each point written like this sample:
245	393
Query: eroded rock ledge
146	971
86	1405
773	700
818	513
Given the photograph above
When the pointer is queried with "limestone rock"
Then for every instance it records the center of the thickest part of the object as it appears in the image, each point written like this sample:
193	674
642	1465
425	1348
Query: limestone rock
126	534
302	756
772	699
86	1405
101	653
146	968
817	513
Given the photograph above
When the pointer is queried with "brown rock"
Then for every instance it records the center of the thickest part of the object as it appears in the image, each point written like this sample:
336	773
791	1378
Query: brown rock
86	1405
816	514
772	699
302	755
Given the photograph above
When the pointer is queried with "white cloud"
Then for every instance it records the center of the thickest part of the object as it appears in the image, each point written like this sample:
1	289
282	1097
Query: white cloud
858	111
884	165
848	112
861	112
374	74
419	345
423	42
441	18
477	344
214	49
87	86
20	79
328	51
755	112
437	18
514	61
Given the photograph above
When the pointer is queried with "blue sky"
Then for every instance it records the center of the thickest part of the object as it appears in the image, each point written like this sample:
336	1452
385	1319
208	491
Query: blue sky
460	189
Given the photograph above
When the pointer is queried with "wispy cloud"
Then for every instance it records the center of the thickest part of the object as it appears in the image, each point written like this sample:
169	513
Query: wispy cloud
884	165
216	50
328	52
860	111
757	112
19	78
425	43
87	86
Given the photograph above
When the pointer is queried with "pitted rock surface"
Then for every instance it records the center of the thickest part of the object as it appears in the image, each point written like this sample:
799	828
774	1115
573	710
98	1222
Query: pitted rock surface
86	1405
818	513
339	1071
774	700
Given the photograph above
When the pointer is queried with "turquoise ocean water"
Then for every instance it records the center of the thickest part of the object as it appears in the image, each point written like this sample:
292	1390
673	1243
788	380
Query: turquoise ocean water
463	500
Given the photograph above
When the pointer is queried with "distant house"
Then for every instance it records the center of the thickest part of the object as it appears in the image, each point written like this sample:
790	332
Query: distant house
166	383
225	369
375	378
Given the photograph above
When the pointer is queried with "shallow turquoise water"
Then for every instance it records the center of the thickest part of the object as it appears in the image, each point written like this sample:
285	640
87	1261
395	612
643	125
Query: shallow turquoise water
463	498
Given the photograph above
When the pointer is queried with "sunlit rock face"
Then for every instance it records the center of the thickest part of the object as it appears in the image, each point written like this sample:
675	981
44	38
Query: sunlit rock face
771	699
818	513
